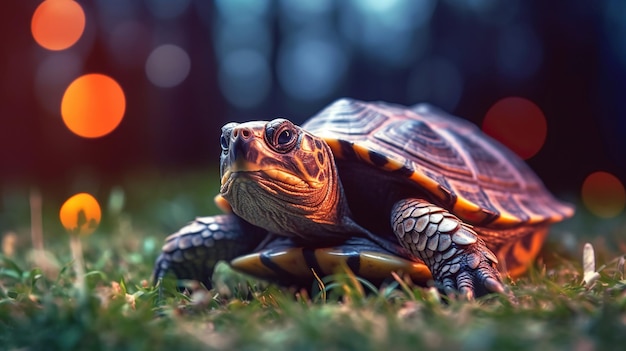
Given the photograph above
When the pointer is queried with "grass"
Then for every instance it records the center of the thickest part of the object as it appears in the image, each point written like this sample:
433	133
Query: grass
42	308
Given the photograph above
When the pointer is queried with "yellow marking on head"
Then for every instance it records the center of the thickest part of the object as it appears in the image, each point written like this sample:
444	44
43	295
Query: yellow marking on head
222	204
242	165
225	177
313	160
285	177
307	143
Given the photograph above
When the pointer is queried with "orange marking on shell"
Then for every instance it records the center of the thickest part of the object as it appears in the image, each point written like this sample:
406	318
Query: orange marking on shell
252	264
429	184
545	214
561	211
373	119
290	260
517	258
362	153
373	265
331	259
516	271
335	146
468	211
381	265
393	165
506	219
525	257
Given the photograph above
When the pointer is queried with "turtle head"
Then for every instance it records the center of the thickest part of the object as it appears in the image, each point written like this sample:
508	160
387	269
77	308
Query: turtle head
280	177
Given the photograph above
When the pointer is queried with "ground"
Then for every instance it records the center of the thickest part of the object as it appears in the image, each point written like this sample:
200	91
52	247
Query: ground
561	304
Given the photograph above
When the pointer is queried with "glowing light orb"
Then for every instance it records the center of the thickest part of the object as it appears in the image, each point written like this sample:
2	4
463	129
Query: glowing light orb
167	66
93	105
603	194
517	123
57	24
80	214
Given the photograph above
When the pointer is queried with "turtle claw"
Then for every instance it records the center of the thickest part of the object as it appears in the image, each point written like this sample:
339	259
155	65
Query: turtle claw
467	286
452	289
448	286
494	285
466	294
476	277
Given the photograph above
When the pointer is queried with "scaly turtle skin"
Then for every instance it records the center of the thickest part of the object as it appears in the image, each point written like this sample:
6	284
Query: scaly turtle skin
375	187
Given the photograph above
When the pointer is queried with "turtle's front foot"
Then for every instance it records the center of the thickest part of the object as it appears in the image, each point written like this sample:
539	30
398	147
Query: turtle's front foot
193	251
458	259
471	272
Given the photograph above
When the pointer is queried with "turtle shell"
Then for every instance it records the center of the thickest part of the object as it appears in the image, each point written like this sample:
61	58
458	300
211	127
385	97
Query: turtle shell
467	172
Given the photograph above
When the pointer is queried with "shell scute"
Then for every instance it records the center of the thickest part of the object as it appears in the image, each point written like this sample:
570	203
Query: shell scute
419	141
470	174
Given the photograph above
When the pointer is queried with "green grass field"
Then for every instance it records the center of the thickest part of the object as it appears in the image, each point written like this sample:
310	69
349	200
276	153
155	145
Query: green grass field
44	307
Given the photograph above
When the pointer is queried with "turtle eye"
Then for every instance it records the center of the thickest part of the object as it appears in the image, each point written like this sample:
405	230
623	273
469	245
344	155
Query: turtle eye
281	135
284	137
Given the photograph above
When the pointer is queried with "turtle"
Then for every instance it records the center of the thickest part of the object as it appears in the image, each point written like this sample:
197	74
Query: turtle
375	187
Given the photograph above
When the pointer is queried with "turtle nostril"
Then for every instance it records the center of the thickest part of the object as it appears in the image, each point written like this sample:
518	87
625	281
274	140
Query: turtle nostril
245	133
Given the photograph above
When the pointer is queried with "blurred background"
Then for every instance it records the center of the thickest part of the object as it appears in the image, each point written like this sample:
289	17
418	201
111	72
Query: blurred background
123	96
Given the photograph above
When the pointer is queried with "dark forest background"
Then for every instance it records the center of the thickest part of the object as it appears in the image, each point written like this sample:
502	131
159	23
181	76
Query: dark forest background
263	59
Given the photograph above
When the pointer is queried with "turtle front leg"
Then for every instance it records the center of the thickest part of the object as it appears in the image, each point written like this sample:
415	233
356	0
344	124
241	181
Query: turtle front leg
193	251
457	257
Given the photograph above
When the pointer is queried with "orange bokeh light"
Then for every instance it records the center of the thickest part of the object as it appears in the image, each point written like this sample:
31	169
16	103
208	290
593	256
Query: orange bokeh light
517	123
80	214
58	24
603	194
93	105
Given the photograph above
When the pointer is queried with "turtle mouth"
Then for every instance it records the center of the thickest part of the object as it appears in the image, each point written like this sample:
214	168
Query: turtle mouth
271	178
